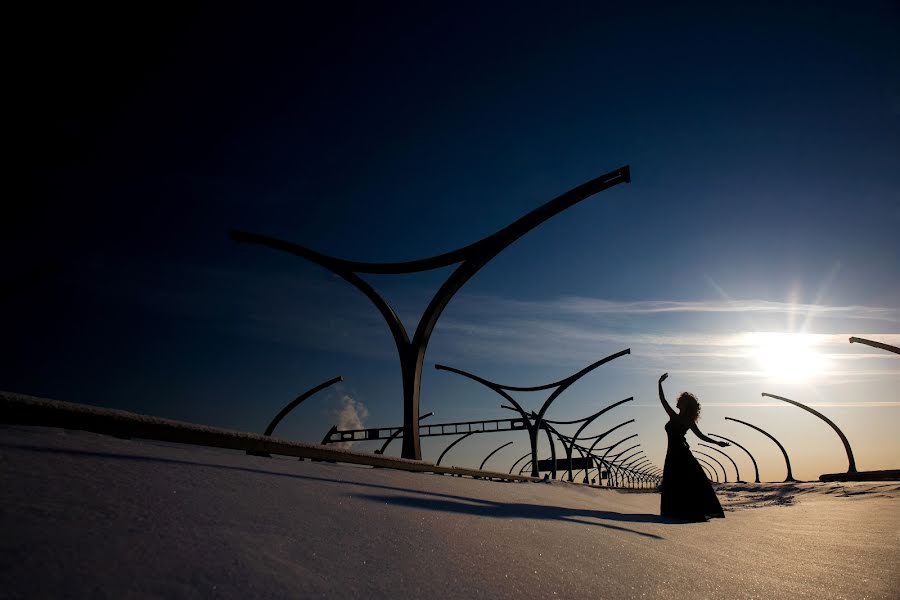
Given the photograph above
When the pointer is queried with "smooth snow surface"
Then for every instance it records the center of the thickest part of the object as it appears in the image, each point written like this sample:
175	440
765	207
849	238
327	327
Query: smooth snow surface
84	515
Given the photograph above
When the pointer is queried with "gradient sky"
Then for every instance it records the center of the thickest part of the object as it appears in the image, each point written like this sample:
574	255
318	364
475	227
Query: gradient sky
764	143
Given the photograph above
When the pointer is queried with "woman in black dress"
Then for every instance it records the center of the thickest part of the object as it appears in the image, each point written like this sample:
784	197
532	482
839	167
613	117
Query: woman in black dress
686	491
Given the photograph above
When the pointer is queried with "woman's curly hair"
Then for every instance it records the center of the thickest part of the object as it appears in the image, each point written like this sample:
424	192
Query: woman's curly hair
689	405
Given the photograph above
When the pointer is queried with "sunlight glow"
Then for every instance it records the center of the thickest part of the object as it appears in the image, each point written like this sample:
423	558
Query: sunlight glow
787	357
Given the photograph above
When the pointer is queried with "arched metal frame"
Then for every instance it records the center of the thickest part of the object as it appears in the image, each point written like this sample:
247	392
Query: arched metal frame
736	471
851	468
787	460
716	460
569	442
706	467
608	450
455	442
734	443
533	424
296	402
874	344
470	260
393	437
291	406
523	457
493	453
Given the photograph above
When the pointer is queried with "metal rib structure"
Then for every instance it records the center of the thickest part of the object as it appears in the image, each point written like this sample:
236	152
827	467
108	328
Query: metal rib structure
715	460
558	387
455	442
394	436
493	453
787	460
874	344
470	259
736	471
734	443
851	462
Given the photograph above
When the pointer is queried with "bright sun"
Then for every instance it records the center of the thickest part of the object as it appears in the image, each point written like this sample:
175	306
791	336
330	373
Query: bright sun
789	357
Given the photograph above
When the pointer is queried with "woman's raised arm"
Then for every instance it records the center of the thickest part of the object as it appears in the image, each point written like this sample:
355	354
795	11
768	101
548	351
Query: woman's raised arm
700	435
662	396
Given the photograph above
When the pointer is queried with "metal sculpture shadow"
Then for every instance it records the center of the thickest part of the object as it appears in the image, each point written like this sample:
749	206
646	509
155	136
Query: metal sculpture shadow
470	260
787	460
852	463
534	425
734	443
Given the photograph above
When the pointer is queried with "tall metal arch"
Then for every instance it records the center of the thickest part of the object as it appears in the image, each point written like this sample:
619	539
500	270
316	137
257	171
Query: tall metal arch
558	387
715	460
493	453
852	463
708	468
874	344
470	260
753	460
787	460
455	442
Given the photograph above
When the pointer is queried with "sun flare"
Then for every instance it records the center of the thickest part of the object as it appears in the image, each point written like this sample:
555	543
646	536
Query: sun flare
789	357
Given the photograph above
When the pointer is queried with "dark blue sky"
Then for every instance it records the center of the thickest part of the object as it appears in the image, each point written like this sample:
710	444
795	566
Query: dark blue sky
764	142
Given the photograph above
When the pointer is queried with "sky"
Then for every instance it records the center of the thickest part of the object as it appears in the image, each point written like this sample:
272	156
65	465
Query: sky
758	234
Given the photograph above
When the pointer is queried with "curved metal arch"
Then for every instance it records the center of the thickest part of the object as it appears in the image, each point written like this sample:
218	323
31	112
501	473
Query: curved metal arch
715	460
455	442
874	344
708	468
471	259
736	471
523	457
493	453
734	443
296	402
852	463
535	425
396	434
787	460
605	433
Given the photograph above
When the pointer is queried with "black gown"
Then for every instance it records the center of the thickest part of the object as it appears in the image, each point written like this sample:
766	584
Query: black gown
686	491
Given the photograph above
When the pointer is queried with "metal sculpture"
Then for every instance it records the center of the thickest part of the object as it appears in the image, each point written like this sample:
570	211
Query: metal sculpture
874	344
852	463
455	442
523	457
470	260
736	471
608	450
558	387
292	405
493	453
706	467
787	460
715	460
734	443
396	434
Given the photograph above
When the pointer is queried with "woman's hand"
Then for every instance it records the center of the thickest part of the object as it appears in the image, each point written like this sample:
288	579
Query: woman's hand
723	444
664	377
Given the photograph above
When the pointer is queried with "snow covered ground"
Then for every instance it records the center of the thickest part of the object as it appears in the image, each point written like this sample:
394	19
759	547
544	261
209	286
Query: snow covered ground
88	515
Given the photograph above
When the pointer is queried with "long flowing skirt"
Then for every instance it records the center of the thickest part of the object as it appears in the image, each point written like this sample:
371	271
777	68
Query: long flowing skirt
686	491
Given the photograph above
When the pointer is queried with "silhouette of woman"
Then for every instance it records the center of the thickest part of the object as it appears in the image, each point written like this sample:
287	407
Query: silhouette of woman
686	492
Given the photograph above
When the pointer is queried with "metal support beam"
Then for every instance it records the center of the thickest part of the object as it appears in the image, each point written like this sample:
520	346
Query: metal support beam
455	442
493	453
736	471
715	460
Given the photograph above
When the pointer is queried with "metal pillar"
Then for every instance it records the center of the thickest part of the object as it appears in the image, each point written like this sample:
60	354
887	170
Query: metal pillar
470	259
787	461
852	463
734	443
493	453
558	387
736	471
